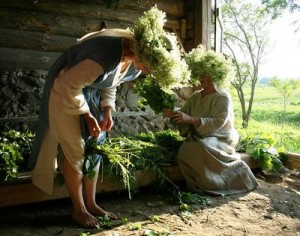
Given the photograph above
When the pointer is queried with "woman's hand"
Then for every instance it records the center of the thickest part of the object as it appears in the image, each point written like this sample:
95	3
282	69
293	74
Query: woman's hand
181	117
93	126
168	112
107	122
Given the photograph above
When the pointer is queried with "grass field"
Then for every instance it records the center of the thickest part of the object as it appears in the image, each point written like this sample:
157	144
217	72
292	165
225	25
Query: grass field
268	117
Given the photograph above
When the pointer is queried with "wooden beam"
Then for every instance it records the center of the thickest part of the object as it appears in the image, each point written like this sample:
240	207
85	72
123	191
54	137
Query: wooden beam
97	8
253	164
10	192
10	38
114	114
24	191
18	59
202	25
51	24
293	161
47	14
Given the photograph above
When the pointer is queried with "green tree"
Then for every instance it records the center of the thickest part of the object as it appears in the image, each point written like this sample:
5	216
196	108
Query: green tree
277	7
286	88
245	41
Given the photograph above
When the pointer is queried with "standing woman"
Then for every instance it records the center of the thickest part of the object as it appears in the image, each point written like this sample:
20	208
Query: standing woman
77	103
81	85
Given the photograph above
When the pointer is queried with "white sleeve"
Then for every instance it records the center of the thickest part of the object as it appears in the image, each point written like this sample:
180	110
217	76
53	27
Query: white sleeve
70	83
108	97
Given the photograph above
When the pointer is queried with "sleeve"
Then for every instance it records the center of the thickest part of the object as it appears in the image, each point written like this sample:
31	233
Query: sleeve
185	129
218	118
70	83
108	97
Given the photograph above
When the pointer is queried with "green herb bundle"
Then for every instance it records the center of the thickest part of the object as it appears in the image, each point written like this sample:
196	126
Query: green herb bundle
151	94
123	156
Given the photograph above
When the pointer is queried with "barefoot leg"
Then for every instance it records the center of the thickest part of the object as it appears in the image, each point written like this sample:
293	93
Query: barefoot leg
89	190
73	181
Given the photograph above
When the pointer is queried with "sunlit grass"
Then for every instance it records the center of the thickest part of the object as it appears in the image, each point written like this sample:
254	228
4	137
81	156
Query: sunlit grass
268	117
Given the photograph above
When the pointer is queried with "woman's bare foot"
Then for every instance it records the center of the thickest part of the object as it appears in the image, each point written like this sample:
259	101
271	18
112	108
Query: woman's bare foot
86	220
98	211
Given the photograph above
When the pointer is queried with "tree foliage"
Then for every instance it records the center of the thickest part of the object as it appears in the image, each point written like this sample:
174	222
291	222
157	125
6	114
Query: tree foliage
277	7
286	88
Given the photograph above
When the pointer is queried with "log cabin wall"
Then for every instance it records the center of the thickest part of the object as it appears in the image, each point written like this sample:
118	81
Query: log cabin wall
33	33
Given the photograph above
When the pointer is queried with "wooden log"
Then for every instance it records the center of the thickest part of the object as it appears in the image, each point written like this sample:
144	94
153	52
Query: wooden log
174	8
19	59
34	40
92	8
74	9
48	23
114	114
253	164
10	193
293	161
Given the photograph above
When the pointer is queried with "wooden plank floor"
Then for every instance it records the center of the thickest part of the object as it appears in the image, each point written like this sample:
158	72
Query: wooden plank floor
23	191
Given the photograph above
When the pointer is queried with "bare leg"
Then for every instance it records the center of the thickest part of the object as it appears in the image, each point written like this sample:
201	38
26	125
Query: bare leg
73	181
89	188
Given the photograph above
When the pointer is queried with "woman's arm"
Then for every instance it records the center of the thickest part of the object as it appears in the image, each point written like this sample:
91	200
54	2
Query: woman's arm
70	83
107	121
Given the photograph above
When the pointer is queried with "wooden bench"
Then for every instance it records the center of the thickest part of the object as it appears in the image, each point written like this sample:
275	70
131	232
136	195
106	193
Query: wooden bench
23	191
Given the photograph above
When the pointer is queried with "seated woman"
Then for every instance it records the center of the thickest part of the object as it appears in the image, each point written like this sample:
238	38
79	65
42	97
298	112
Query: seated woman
207	157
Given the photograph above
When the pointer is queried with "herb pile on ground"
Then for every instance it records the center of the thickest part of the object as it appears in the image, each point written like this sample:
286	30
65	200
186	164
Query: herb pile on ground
123	156
15	148
262	150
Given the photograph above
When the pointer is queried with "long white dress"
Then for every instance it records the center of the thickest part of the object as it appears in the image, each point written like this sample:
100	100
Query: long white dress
85	78
207	157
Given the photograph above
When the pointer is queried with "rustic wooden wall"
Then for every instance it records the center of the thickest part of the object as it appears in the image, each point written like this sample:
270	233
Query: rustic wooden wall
33	33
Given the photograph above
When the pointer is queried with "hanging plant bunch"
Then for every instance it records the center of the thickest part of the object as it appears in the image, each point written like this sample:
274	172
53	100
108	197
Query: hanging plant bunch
159	50
152	95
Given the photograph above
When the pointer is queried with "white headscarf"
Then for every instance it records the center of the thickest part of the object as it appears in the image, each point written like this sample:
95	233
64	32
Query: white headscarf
124	33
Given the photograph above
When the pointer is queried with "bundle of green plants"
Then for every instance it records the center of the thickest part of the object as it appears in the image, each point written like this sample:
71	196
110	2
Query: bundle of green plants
159	50
261	148
123	156
15	150
151	94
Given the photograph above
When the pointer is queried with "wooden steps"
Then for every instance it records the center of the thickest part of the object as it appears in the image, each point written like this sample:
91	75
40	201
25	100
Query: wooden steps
23	191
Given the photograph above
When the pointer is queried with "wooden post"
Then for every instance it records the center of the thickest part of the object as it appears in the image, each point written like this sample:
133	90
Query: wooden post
202	23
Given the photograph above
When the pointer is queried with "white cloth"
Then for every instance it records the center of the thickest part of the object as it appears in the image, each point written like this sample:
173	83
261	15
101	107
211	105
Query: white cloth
66	103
